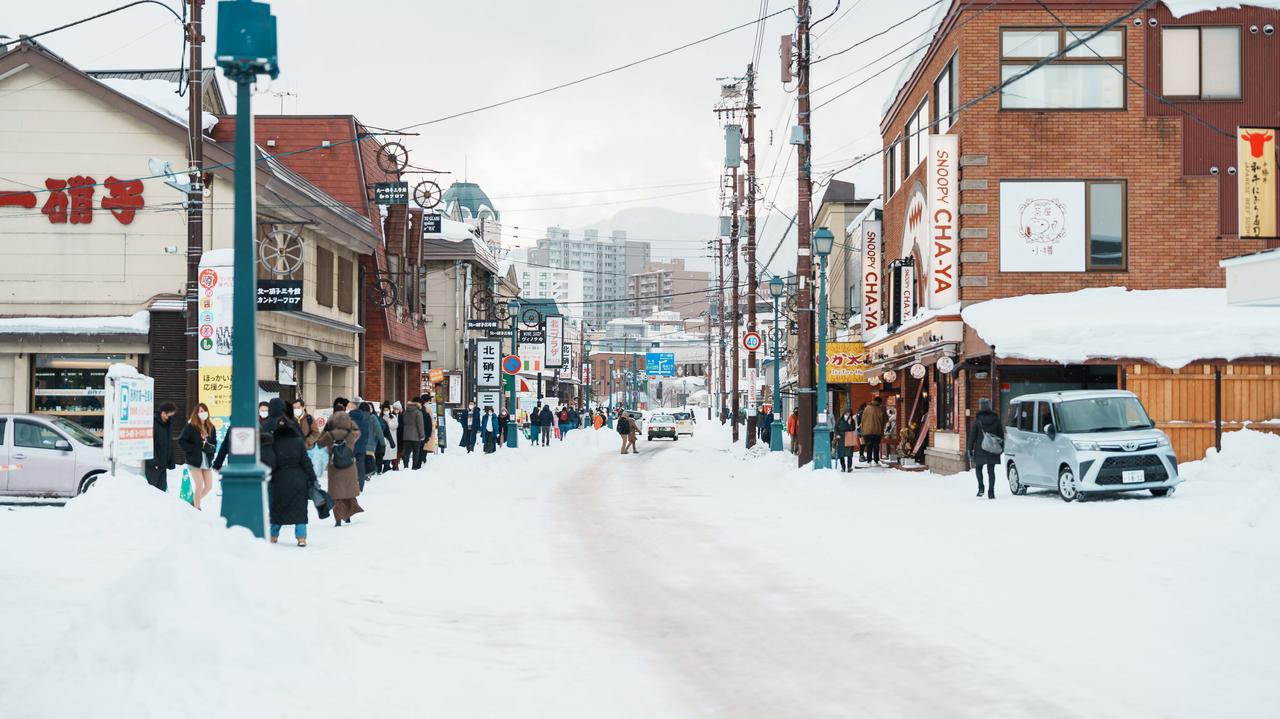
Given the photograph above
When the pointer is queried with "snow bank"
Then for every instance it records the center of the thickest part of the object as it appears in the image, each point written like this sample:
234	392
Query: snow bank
139	323
1168	327
1182	8
1247	468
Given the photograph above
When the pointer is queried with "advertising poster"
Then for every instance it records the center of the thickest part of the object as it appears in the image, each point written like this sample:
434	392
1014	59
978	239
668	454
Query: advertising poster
554	346
213	326
1042	227
1256	181
128	418
846	361
944	285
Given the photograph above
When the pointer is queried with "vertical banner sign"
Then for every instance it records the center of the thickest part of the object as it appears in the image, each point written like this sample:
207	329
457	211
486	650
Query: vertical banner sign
488	373
907	292
213	326
554	346
1256	181
871	290
943	289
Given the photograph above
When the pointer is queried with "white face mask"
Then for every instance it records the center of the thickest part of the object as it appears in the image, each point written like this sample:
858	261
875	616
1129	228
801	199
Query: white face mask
297	411
203	416
263	413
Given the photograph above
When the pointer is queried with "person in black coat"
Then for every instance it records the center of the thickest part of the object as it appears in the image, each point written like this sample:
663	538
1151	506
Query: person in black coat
284	451
470	426
426	429
264	410
986	422
199	443
489	430
157	468
546	418
845	439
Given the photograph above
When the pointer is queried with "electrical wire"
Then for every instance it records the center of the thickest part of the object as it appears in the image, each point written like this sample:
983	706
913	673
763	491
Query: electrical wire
81	21
869	38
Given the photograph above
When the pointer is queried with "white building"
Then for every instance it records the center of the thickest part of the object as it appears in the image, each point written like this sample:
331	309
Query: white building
605	263
563	286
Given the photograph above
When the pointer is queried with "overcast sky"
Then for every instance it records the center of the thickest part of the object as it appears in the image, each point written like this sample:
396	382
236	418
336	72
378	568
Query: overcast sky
397	62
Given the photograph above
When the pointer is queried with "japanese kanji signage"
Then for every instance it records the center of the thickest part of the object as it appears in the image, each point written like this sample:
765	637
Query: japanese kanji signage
554	345
279	295
214	330
70	200
846	362
391	193
488	371
1256	173
1042	226
482	324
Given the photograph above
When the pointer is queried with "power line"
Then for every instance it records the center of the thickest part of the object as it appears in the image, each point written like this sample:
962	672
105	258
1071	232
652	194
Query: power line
81	21
889	29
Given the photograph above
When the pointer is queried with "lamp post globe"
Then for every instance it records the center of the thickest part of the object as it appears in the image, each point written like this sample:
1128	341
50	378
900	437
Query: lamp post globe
823	242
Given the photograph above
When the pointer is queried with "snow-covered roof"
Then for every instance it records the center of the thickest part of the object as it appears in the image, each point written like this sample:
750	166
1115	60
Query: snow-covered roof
453	231
1171	328
138	323
159	95
1182	8
925	314
867	213
909	68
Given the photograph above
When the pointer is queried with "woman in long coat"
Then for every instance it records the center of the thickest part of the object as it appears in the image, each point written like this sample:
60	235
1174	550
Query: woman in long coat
284	450
986	422
846	441
344	483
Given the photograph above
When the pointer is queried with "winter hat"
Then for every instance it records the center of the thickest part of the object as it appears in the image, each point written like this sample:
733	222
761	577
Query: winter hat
984	403
397	406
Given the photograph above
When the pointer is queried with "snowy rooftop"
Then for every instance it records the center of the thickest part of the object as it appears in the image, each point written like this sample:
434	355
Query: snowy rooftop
1167	327
159	95
1182	8
137	324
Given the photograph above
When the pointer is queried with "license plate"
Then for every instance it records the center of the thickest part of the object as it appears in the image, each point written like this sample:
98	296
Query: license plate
1132	476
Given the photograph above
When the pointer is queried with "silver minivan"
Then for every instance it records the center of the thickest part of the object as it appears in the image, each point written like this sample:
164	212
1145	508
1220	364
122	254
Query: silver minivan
1085	442
43	456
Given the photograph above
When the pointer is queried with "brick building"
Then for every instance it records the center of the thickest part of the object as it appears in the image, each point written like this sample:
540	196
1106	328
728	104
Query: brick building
1072	177
668	286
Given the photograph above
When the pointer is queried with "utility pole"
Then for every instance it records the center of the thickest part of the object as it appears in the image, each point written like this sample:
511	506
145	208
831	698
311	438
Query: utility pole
734	230
720	306
195	199
752	287
708	372
804	263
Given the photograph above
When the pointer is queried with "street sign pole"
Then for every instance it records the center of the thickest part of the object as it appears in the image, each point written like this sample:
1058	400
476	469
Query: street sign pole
513	431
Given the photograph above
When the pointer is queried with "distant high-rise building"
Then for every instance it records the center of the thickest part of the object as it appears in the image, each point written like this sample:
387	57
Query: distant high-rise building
563	286
605	264
669	287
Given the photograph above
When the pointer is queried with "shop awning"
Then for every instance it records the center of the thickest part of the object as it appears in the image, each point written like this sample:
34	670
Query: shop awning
267	385
337	360
296	353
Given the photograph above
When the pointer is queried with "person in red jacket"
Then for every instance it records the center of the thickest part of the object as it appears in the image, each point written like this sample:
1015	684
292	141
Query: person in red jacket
793	426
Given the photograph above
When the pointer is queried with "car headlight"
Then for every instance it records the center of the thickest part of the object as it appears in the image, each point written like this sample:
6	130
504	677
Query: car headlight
1085	446
1162	441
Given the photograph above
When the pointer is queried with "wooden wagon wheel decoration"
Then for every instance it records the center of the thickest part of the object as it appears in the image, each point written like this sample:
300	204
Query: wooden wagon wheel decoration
531	317
427	195
482	301
280	252
393	157
383	293
501	312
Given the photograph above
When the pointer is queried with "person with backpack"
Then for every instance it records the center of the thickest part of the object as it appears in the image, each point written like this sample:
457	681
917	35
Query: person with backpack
545	419
623	425
562	419
986	444
874	421
340	438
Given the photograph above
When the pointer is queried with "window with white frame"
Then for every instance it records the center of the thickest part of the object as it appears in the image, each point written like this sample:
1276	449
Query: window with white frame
1201	62
891	168
917	137
945	92
1086	77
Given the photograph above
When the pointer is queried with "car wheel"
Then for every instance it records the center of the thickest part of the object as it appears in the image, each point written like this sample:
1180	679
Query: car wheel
1068	488
1015	482
1163	492
676	438
87	482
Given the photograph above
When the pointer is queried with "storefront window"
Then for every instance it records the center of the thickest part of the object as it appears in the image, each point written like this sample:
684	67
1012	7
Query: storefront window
73	387
945	384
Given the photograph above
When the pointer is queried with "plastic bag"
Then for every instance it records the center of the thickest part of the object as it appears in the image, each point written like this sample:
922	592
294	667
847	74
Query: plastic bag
186	493
319	457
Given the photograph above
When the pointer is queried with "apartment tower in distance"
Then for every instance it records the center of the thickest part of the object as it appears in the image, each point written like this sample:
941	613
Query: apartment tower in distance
605	264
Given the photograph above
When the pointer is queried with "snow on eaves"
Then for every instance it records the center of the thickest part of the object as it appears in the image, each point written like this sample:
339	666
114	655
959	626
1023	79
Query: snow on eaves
159	95
1182	8
1171	328
867	213
138	323
909	68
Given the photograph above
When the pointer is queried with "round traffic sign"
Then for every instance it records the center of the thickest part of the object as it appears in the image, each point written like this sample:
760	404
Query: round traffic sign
751	341
511	364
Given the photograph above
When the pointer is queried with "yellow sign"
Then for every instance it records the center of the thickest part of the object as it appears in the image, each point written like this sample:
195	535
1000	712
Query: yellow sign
1256	150
215	392
846	362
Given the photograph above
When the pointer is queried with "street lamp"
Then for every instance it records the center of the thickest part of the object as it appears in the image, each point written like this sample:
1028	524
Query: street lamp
246	49
513	429
609	414
823	241
776	289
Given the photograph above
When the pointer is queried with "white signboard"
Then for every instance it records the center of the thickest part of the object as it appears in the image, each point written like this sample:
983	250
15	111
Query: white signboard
213	328
554	346
1042	226
489	399
488	371
530	358
943	277
907	293
871	287
128	416
455	389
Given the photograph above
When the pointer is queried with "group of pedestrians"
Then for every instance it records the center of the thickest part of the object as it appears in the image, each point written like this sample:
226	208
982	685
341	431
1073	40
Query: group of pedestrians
544	423
628	430
486	426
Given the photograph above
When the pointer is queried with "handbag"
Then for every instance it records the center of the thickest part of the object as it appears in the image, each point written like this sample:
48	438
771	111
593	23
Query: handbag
324	503
991	443
851	439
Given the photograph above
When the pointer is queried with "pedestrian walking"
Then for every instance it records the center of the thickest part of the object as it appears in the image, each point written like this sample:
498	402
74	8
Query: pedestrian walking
846	440
504	418
724	414
199	443
874	421
339	442
362	415
392	417
306	423
562	419
489	430
764	419
545	420
793	428
470	426
623	425
157	468
284	451
413	432
857	427
575	418
986	444
597	419
535	417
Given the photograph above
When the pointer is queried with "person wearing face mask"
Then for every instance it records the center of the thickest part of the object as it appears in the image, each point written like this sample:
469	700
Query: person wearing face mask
226	438
413	433
284	452
391	413
157	467
470	426
386	440
199	442
307	423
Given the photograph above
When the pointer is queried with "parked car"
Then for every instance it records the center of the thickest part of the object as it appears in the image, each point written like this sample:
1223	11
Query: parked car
684	422
48	456
1085	442
663	425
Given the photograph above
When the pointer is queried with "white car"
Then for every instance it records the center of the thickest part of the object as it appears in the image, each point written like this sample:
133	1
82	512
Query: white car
684	421
663	425
1085	442
47	456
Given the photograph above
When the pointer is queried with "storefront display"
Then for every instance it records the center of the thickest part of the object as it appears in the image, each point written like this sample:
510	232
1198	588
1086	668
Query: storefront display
72	386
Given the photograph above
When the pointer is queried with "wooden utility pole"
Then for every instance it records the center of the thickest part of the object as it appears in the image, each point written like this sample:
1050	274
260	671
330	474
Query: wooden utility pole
804	261
752	287
734	230
195	198
720	306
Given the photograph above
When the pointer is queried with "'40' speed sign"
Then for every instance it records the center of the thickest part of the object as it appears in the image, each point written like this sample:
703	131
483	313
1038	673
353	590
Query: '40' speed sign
751	341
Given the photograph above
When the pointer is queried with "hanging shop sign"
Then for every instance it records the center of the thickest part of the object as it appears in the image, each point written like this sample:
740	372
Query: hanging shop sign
553	347
483	324
432	224
946	364
435	375
279	296
944	287
532	337
871	274
488	355
216	286
917	371
453	385
71	199
489	399
889	376
907	291
846	362
530	356
287	372
391	193
1256	181
1042	226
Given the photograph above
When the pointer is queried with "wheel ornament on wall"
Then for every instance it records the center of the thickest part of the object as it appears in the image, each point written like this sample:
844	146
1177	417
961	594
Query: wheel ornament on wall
393	157
427	194
531	317
281	252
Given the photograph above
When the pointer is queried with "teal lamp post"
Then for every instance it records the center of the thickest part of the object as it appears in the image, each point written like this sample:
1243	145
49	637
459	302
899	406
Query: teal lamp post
609	414
246	49
513	429
776	289
586	347
823	241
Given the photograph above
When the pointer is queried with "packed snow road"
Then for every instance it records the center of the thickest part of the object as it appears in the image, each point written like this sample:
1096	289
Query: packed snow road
690	580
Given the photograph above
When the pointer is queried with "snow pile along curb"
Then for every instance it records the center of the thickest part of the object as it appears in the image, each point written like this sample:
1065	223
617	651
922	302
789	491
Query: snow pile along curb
1247	468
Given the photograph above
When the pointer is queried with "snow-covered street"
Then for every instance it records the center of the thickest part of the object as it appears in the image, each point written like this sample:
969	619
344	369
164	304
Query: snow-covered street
689	580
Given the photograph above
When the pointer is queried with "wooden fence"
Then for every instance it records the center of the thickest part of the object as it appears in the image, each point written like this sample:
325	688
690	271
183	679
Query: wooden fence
1188	403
